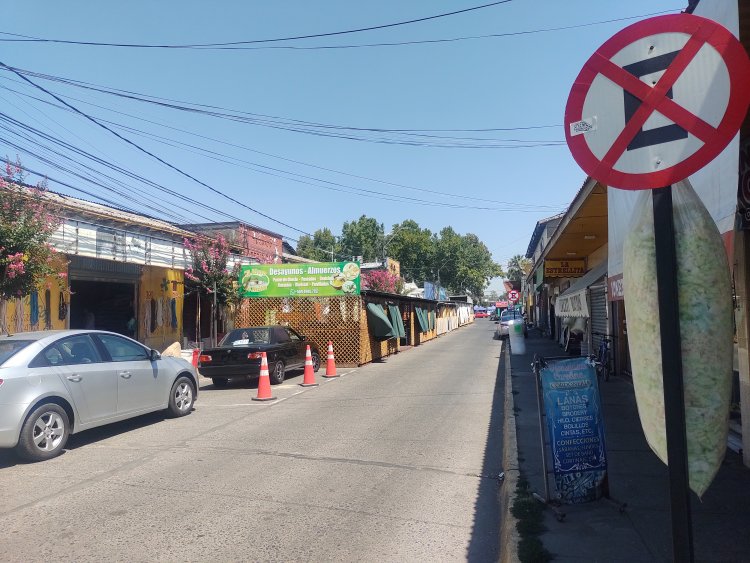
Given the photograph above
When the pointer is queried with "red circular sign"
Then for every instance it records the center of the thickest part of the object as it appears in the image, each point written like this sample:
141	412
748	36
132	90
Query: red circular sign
599	144
513	295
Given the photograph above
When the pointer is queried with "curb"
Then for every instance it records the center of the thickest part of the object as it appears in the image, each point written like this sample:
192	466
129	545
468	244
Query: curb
509	536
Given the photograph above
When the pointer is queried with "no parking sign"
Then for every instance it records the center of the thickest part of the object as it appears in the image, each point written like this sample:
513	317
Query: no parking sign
658	101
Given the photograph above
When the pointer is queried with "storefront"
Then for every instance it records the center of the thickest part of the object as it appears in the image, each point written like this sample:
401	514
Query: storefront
582	309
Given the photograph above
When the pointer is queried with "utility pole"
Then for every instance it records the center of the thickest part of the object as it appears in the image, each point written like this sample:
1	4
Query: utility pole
214	328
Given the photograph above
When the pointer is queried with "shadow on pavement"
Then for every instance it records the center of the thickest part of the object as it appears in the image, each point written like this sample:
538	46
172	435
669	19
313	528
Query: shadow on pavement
484	543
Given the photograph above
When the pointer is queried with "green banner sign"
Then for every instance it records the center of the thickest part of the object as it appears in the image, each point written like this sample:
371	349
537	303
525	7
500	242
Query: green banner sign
321	279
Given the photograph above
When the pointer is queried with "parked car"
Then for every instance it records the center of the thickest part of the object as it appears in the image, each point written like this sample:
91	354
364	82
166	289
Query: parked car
238	355
501	330
59	382
480	314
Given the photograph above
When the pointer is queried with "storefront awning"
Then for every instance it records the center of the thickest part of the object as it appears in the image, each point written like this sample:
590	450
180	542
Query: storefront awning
572	301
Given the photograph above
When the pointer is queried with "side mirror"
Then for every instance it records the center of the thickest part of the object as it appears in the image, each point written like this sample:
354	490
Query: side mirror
155	355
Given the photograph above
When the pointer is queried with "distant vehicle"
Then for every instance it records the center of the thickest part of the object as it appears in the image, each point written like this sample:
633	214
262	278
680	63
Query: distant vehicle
480	314
59	382
501	331
238	355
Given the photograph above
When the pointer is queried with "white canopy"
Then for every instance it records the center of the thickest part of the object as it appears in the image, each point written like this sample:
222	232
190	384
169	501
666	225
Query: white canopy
572	301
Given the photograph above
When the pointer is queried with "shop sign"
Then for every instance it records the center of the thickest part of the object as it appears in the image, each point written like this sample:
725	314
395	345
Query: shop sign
564	268
574	418
320	279
572	305
616	291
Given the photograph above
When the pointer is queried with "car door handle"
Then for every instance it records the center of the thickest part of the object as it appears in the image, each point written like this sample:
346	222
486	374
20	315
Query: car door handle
74	377
125	374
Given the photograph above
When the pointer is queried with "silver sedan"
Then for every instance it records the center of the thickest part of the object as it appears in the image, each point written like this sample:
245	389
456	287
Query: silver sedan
59	382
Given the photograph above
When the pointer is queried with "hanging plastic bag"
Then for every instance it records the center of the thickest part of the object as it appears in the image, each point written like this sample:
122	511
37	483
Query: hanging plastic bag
706	330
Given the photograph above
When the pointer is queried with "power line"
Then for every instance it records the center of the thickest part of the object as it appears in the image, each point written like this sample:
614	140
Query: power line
434	41
274	40
306	127
159	209
152	155
426	190
238	45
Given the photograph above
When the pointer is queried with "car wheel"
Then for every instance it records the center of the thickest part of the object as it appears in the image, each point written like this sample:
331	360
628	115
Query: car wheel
315	362
181	397
277	373
44	434
220	382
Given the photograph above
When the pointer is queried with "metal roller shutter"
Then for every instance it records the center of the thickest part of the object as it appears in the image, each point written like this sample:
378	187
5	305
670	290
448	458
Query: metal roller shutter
599	318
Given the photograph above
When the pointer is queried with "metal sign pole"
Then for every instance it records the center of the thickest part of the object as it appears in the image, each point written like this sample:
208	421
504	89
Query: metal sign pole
671	360
540	409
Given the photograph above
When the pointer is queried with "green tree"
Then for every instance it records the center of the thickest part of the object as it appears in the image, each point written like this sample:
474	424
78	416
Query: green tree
518	268
475	267
322	246
363	237
27	221
463	263
414	248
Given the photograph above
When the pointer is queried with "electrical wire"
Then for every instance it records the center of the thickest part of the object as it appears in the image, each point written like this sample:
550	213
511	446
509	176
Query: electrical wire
152	155
310	128
215	155
158	210
240	45
436	41
274	40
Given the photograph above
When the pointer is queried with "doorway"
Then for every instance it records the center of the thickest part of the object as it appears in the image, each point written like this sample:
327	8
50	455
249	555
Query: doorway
103	305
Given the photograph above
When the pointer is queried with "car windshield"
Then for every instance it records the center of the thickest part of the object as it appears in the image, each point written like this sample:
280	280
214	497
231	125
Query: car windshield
10	347
510	315
247	337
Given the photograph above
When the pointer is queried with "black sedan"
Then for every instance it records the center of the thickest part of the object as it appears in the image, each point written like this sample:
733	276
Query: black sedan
238	355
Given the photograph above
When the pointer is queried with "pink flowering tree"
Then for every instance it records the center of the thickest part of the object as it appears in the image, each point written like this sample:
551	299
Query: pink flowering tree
210	276
210	268
382	280
27	220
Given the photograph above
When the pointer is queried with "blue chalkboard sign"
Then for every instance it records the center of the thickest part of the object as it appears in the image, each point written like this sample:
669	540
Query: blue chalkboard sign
574	420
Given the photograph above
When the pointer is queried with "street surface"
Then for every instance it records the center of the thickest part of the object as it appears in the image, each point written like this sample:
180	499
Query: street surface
393	461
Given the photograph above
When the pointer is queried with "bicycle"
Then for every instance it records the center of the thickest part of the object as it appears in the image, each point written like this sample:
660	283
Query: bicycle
601	360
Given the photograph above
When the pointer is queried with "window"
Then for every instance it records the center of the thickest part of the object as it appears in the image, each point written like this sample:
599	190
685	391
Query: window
10	347
75	350
294	336
282	335
123	350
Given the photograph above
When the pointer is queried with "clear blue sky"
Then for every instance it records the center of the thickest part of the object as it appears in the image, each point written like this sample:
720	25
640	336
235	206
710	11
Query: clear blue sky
495	184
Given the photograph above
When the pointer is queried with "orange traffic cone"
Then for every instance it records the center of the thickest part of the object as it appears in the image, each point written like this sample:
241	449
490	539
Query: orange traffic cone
196	353
264	382
330	362
309	377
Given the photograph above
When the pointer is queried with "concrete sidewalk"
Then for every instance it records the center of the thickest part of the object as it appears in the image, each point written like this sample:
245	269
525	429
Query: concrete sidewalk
598	531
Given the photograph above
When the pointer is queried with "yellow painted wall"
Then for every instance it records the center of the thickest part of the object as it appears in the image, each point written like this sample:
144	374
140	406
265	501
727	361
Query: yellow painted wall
15	314
157	284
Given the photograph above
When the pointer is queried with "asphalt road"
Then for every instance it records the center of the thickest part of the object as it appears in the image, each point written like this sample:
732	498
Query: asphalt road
393	461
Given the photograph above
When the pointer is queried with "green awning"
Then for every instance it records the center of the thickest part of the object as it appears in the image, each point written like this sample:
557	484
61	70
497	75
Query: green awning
398	324
378	324
422	319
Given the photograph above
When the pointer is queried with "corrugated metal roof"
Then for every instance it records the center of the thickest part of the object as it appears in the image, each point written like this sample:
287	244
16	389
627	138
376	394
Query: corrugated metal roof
112	214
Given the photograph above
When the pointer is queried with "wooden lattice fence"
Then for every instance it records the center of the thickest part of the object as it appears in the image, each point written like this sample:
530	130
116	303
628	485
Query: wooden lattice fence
320	319
342	320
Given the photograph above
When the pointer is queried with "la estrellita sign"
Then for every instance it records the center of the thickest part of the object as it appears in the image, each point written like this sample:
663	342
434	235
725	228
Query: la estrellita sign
564	268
